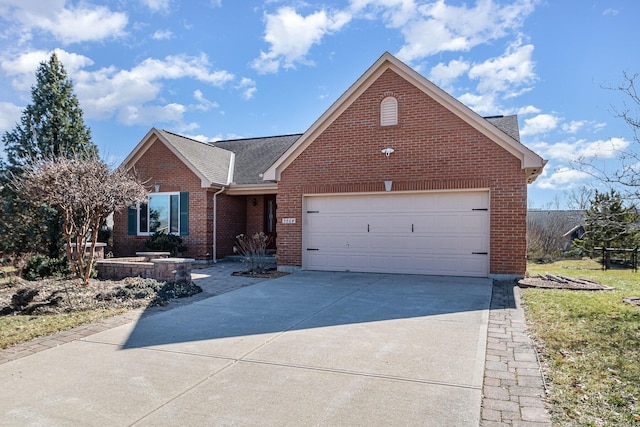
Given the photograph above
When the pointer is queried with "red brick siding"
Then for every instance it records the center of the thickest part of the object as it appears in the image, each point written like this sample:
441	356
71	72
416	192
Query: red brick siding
160	165
255	214
232	221
434	149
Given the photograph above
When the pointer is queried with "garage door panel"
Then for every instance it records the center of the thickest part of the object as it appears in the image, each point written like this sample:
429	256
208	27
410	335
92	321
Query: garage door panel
475	244
422	233
473	221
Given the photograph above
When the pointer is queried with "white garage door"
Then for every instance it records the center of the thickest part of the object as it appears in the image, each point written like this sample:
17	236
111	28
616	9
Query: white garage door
417	233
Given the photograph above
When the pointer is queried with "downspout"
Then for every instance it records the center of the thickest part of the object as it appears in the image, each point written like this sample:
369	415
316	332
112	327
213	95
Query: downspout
215	223
232	165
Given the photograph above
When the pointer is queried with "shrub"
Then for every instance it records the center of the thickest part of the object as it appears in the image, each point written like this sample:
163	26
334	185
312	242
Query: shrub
41	266
254	250
161	241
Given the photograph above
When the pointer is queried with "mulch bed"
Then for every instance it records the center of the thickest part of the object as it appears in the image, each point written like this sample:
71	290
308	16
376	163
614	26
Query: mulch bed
551	281
269	274
51	296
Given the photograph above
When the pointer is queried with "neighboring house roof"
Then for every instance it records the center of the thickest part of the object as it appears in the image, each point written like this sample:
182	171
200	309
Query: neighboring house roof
507	139
255	155
568	220
576	216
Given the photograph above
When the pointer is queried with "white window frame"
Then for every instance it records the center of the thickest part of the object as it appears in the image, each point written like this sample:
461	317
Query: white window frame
149	232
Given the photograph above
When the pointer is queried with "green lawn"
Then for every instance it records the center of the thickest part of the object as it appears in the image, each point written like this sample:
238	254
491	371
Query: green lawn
590	345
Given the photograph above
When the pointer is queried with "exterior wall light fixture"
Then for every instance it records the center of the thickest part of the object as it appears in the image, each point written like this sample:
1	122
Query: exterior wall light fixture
156	187
387	151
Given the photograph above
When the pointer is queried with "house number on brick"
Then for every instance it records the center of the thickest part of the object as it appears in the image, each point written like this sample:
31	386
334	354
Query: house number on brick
288	220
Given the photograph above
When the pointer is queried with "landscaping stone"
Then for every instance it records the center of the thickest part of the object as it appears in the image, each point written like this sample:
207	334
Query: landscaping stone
513	392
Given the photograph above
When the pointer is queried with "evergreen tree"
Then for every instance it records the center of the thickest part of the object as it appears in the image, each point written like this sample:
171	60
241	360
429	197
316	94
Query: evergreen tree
608	223
51	126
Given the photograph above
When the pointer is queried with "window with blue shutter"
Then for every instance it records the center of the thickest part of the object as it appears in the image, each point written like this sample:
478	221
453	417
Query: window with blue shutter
184	213
132	220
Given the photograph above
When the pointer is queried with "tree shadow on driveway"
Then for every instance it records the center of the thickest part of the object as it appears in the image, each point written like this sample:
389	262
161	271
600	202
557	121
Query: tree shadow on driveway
310	299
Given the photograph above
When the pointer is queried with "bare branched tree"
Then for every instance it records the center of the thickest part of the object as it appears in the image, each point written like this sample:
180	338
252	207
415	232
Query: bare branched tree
580	198
623	175
87	191
546	232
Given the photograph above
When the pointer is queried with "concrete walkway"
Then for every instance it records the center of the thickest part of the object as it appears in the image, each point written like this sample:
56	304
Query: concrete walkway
169	373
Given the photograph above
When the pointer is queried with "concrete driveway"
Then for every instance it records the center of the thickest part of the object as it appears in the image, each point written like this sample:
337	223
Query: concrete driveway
311	348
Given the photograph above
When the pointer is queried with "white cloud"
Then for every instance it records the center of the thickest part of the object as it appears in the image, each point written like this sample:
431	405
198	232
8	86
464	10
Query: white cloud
483	104
395	12
529	109
204	138
437	27
573	126
110	92
292	35
218	137
68	24
203	103
248	87
561	178
542	123
162	35
23	67
157	5
581	149
610	12
506	73
599	126
443	74
9	116
142	115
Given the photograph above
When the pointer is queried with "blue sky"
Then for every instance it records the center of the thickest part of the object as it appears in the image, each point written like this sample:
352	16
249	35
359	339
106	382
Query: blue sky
219	69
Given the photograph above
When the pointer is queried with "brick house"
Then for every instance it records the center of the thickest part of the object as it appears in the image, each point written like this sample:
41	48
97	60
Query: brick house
396	176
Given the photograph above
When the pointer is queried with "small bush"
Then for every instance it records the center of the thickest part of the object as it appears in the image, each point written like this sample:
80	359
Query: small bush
161	241
41	266
254	250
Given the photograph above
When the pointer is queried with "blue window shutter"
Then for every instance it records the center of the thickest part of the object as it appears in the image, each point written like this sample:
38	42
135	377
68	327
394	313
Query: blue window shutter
132	219
184	213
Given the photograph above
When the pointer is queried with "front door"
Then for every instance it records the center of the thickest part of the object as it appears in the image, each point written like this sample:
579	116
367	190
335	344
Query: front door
270	219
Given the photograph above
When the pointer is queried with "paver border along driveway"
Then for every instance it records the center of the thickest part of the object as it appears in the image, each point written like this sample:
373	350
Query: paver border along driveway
311	348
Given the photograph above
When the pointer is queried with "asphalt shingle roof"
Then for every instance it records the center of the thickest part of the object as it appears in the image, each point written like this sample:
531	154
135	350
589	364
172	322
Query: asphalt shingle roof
507	124
255	155
252	156
211	161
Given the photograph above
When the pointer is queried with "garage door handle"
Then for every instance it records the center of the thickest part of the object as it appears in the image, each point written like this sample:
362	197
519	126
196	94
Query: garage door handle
480	209
313	249
480	253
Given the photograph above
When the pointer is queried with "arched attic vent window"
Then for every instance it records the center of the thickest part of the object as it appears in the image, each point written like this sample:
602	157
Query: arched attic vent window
389	111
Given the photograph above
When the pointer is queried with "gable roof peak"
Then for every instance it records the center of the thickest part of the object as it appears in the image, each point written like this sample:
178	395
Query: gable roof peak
530	161
213	165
